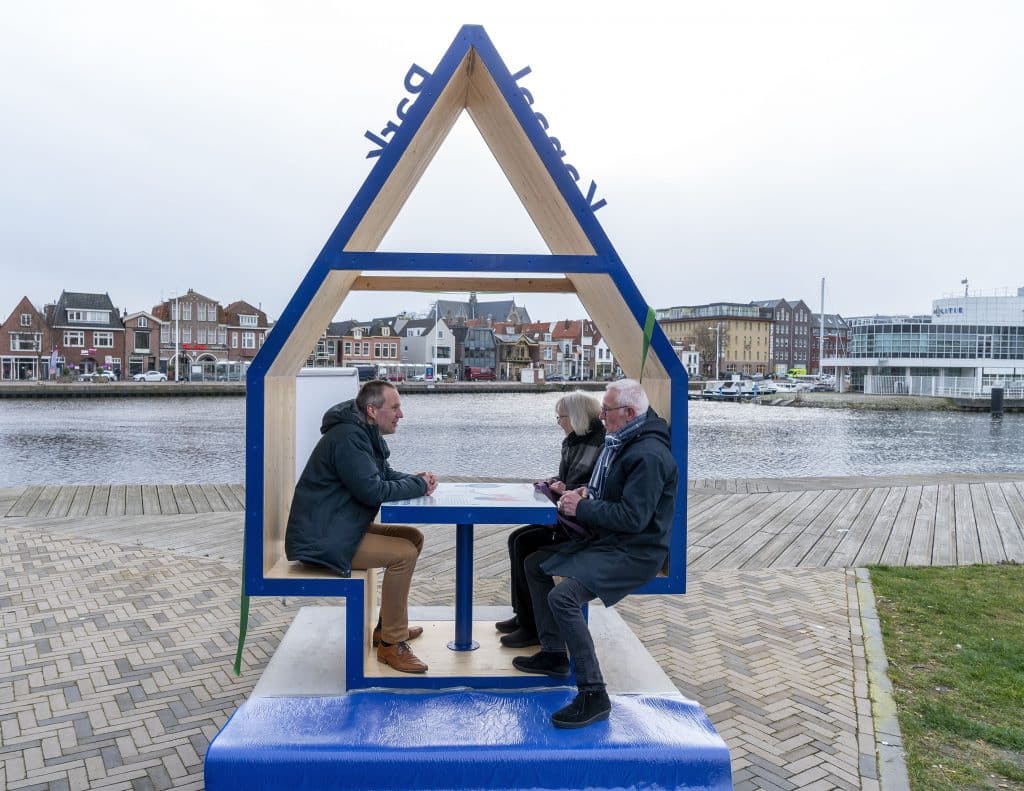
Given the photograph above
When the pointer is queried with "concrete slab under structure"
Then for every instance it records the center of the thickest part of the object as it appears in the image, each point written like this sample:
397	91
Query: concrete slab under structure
302	728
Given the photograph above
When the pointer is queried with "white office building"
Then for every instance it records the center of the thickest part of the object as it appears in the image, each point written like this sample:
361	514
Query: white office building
968	344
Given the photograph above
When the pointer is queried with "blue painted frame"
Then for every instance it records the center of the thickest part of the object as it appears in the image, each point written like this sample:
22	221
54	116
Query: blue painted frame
334	258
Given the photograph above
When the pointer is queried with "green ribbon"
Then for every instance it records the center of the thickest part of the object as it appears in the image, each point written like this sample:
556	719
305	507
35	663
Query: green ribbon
648	332
243	617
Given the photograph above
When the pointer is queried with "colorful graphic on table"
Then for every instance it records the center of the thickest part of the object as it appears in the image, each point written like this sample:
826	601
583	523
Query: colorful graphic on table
513	495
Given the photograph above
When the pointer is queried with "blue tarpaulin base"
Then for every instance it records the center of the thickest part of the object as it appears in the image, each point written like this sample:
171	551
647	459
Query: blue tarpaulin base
464	740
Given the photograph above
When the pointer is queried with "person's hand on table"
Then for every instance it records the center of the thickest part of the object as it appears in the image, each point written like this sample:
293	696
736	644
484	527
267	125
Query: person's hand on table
431	481
558	487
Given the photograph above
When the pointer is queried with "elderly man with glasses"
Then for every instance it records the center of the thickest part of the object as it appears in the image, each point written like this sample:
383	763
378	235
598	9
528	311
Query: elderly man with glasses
627	507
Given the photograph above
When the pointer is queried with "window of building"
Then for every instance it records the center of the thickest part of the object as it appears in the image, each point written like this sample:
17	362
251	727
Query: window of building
347	347
234	340
357	334
74	338
376	350
385	332
186	311
174	310
248	340
142	322
26	319
26	341
201	311
222	336
394	350
186	335
366	348
141	341
248	321
165	334
263	338
201	333
91	316
103	340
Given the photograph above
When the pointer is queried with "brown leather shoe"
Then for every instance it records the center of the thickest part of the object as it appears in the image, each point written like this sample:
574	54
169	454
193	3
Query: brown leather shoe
414	632
401	658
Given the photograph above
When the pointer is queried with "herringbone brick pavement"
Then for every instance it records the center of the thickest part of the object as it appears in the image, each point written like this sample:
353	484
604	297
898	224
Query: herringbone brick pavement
115	664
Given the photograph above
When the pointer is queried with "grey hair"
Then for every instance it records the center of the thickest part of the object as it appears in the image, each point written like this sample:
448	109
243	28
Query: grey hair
629	392
581	408
372	394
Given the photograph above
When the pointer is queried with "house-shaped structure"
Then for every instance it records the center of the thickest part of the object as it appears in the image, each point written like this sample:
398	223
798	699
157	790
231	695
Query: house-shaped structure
472	77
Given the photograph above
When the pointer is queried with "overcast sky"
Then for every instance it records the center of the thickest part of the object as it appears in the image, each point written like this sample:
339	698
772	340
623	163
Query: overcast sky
746	149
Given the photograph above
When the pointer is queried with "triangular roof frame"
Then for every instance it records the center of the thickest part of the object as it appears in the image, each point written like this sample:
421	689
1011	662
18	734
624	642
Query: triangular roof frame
471	76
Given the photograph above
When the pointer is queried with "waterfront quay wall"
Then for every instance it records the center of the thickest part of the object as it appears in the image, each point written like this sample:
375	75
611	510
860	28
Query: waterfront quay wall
142	389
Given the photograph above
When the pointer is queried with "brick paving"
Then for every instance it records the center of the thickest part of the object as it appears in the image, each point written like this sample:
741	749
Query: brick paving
115	661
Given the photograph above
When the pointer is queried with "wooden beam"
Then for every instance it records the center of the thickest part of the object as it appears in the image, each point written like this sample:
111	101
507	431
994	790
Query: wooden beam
490	285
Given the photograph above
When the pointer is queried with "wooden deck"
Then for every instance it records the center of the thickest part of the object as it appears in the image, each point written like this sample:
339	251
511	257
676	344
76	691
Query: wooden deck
735	524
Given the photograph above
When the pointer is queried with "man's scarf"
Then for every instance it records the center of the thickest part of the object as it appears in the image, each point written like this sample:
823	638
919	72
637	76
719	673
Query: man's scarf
612	444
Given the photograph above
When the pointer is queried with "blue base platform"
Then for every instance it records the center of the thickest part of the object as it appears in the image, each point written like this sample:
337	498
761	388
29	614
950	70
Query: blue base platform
462	740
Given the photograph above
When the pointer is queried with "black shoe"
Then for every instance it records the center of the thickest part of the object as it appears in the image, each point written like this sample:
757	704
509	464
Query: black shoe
588	707
520	638
508	626
545	663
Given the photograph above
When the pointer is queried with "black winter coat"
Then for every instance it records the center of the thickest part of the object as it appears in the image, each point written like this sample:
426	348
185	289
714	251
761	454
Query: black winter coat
340	490
579	454
632	522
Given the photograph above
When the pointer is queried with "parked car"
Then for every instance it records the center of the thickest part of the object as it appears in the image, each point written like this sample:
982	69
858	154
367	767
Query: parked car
556	378
98	376
150	376
479	374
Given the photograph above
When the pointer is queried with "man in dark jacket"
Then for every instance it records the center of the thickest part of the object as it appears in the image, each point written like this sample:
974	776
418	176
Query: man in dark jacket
336	499
628	506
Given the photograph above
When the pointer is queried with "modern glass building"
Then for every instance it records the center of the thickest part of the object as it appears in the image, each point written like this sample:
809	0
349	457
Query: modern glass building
970	338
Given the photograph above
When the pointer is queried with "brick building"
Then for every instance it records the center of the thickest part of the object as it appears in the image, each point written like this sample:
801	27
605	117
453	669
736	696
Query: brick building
791	333
246	329
87	331
142	342
191	328
24	344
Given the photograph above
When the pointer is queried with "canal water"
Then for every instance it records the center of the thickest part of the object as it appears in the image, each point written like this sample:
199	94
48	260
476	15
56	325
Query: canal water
192	440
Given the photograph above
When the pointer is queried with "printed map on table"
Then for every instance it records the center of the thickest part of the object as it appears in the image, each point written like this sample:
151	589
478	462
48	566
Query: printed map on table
496	494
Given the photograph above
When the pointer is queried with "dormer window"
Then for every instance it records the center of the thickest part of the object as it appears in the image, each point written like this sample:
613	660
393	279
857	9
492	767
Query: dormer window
142	322
385	332
90	316
357	334
248	321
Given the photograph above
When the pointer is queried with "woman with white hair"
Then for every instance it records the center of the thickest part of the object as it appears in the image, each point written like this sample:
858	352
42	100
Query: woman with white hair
578	415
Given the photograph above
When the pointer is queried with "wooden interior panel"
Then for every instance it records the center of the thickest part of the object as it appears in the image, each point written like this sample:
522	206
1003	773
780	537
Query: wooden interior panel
278	463
318	315
523	167
413	162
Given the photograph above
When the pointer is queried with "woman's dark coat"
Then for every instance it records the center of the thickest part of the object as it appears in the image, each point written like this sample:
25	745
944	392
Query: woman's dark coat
632	522
340	491
579	454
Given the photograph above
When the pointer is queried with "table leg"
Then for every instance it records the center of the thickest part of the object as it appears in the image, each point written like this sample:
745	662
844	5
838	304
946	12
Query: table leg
463	590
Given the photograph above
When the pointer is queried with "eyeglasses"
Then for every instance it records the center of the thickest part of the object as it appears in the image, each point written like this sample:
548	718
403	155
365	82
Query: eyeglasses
559	418
606	409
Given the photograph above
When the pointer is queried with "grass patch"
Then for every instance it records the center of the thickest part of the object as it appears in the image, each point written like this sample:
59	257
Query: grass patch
954	638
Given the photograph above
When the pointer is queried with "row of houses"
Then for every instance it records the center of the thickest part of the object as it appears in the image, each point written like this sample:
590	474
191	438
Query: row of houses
83	333
456	339
192	334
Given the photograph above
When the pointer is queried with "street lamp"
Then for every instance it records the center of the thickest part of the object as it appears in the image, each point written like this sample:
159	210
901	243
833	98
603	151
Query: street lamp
718	345
177	335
